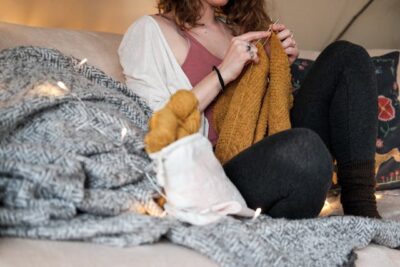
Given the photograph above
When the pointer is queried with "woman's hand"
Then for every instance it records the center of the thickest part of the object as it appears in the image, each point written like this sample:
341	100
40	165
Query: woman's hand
240	52
287	40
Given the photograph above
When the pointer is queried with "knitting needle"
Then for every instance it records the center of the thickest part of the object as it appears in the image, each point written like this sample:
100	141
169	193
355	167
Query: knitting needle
270	29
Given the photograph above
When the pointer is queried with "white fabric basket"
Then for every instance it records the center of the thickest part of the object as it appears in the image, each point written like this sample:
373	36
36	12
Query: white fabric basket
195	184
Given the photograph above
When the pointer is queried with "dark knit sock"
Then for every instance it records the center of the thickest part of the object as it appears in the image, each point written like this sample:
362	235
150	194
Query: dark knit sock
357	181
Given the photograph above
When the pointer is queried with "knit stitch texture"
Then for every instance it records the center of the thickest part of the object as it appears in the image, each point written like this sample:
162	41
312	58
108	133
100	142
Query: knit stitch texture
251	108
69	171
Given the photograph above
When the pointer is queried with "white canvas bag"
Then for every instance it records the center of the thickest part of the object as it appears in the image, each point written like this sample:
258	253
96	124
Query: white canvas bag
195	184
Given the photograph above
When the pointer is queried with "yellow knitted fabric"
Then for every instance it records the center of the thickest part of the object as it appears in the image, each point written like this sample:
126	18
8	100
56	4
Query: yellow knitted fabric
248	110
179	118
241	114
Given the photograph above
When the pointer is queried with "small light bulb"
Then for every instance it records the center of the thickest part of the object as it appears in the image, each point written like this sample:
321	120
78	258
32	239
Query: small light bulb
124	131
62	86
327	207
83	61
257	213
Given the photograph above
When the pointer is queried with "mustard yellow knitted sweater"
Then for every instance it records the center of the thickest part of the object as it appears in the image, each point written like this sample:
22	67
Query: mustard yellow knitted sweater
252	108
243	114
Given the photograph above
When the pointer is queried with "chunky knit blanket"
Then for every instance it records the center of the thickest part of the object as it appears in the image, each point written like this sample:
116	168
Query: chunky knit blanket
72	167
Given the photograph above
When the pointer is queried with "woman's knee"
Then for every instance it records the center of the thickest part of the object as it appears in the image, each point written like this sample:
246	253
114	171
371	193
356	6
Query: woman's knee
312	162
348	51
305	147
310	177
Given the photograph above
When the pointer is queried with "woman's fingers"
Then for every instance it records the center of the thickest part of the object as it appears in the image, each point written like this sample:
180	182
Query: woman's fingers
278	27
251	36
292	53
248	51
284	34
253	53
289	42
256	60
240	53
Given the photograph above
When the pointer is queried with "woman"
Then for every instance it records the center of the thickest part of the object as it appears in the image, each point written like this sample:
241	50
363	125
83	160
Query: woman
334	114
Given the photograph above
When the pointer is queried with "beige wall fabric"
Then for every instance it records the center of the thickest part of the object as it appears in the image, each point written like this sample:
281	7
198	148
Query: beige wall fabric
315	22
99	15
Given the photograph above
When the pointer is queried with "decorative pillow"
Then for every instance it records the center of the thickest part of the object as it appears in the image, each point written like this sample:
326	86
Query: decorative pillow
196	186
388	142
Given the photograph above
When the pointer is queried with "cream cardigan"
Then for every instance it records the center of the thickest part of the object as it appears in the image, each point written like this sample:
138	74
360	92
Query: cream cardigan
150	68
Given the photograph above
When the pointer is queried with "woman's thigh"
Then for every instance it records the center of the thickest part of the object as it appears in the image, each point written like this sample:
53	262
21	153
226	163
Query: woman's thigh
287	174
338	100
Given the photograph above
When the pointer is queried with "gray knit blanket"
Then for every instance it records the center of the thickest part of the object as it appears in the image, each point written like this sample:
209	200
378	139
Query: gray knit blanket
73	167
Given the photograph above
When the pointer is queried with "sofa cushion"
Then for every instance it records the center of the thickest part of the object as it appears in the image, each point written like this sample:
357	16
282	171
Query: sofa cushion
45	253
100	49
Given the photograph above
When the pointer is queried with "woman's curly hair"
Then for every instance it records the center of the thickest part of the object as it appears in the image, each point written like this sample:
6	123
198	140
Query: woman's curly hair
241	15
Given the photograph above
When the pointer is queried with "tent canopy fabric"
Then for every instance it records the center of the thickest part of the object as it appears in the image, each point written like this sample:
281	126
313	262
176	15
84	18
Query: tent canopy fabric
315	23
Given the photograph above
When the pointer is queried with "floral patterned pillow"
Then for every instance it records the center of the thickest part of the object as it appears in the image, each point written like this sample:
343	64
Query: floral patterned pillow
388	142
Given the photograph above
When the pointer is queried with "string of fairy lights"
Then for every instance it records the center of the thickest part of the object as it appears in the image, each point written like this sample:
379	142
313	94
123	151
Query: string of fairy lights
329	206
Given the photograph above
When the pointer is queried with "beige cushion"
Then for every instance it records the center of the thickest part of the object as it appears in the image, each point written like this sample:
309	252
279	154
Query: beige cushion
374	255
21	253
99	48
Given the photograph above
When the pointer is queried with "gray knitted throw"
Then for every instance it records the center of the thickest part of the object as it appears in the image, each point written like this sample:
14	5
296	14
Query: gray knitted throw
72	167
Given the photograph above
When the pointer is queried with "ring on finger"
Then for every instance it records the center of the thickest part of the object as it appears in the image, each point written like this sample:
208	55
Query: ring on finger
251	54
248	47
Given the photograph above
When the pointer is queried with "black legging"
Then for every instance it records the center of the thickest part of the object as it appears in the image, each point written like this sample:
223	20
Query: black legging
334	116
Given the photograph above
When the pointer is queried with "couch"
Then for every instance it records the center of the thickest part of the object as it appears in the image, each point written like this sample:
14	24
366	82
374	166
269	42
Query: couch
100	49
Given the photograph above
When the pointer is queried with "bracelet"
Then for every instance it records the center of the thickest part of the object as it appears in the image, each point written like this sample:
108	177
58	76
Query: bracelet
221	81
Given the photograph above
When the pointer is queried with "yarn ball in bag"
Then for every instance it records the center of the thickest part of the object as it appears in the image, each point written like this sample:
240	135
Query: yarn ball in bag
180	117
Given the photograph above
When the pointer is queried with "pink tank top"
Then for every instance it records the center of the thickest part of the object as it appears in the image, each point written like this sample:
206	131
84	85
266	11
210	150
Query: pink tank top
197	65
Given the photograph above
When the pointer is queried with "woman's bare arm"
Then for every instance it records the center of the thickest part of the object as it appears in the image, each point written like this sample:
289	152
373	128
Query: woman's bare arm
236	57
